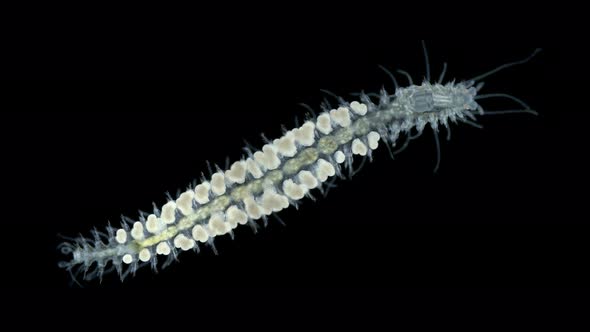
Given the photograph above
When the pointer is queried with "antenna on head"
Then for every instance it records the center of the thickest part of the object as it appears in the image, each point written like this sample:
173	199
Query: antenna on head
390	76
426	60
507	65
442	74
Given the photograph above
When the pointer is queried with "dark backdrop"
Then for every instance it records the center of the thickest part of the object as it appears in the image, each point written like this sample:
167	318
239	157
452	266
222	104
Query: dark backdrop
107	128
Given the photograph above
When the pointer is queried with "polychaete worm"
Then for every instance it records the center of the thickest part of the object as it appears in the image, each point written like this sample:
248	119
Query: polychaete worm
284	171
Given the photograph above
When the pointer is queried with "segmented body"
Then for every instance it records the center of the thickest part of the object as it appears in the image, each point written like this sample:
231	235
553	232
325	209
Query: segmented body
281	174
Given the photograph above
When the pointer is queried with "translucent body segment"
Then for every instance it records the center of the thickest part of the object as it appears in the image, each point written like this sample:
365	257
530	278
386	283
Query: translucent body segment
137	231
339	157
359	148
200	234
373	139
121	236
341	116
218	183
304	158
305	135
184	203
358	108
286	145
308	179
163	249
324	124
202	193
293	190
253	168
324	170
237	172
168	215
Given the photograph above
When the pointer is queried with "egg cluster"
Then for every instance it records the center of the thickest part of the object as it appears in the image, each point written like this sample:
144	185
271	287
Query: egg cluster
267	181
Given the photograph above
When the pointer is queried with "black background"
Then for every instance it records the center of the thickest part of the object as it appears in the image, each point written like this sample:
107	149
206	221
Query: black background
107	128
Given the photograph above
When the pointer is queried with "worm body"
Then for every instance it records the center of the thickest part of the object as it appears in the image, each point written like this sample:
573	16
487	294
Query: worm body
286	170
